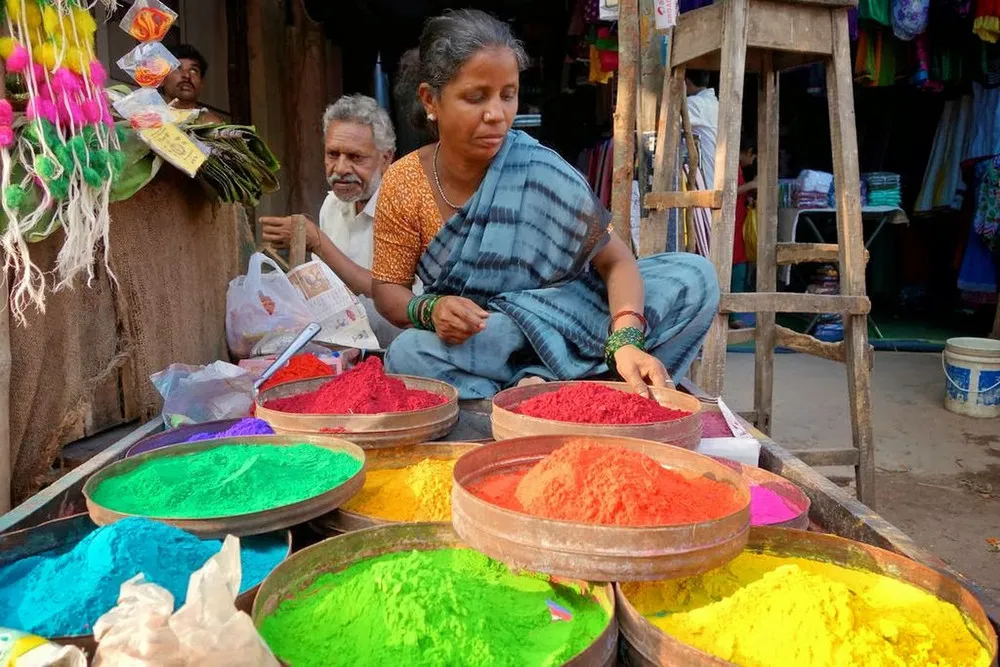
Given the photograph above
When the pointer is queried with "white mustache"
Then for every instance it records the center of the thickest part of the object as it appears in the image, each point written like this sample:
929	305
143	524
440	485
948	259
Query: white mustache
350	179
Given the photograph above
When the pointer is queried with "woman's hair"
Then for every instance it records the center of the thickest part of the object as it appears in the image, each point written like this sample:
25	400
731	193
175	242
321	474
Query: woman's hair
448	42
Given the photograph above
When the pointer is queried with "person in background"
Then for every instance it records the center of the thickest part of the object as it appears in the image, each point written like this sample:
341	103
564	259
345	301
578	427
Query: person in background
183	87
703	110
523	277
360	144
742	280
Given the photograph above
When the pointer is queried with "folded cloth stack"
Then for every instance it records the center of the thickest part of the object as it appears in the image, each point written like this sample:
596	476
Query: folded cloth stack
883	189
833	194
786	192
812	189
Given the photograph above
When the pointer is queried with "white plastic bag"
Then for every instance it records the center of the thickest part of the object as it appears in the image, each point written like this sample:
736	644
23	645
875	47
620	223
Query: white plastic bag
196	394
18	649
262	304
207	630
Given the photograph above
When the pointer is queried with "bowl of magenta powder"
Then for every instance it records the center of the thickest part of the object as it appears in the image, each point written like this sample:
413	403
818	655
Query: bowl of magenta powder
414	594
597	409
600	508
240	485
364	405
774	501
61	588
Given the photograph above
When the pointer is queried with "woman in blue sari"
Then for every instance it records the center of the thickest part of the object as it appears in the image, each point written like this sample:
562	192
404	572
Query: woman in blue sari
522	277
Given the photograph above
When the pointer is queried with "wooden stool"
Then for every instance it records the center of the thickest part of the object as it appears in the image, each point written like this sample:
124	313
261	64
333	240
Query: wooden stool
767	36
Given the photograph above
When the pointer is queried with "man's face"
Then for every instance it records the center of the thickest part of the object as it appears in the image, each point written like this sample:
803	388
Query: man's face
354	165
184	83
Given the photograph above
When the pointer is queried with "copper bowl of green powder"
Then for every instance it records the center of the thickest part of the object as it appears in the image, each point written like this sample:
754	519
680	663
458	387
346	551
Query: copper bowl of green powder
414	594
230	486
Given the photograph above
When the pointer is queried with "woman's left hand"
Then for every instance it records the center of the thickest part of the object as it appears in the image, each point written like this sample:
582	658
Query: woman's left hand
641	369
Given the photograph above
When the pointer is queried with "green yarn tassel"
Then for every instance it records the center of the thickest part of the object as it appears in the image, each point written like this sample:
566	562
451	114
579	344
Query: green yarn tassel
59	187
14	197
93	178
46	167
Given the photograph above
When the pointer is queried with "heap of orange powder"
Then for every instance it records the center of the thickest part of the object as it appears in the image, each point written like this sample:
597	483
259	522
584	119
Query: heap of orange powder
609	485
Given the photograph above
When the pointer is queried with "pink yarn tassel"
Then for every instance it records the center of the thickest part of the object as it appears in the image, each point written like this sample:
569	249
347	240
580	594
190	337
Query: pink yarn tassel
18	59
6	136
6	113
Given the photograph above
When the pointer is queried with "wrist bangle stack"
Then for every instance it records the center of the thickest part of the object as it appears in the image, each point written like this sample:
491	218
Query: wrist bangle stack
622	338
420	311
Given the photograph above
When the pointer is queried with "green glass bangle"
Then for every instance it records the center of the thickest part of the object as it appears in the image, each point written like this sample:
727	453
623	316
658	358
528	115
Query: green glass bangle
622	338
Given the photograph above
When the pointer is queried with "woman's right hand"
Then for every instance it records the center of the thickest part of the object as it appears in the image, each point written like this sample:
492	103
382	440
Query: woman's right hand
457	319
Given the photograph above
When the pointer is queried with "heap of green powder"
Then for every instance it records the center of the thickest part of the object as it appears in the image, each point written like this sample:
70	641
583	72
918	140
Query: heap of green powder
442	607
226	481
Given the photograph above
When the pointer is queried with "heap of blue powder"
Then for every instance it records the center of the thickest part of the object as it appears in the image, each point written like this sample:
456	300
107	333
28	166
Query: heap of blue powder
59	594
245	426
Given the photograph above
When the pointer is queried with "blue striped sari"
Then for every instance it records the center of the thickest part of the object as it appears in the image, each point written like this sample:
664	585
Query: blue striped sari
522	248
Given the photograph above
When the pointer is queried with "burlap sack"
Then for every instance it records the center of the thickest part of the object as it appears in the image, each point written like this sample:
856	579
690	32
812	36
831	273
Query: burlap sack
84	365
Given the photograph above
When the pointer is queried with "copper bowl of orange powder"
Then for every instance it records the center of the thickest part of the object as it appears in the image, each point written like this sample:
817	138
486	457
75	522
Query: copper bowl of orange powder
620	538
679	421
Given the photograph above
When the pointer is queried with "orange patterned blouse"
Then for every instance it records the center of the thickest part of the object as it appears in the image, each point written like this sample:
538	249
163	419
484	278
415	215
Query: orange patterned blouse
406	219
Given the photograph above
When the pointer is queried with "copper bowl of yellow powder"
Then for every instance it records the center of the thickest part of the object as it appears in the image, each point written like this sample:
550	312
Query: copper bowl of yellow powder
796	598
410	483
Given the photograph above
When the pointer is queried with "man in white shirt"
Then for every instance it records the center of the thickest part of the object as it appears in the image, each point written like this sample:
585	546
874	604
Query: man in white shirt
360	143
703	110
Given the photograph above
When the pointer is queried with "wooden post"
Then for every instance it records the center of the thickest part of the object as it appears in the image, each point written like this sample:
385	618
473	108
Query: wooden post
767	233
650	82
653	236
694	164
844	141
733	64
624	141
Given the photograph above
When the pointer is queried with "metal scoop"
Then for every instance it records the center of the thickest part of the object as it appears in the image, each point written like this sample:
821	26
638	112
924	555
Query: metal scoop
300	341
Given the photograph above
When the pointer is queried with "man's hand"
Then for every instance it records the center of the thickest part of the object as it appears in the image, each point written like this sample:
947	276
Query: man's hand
456	319
278	232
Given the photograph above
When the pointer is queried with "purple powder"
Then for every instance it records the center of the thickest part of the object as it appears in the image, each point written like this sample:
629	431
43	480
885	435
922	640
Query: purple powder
245	426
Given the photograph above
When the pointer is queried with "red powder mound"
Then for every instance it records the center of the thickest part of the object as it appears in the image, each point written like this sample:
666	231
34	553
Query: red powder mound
300	367
590	483
363	390
590	403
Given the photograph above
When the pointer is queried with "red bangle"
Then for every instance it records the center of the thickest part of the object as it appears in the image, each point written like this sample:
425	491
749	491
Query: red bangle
626	313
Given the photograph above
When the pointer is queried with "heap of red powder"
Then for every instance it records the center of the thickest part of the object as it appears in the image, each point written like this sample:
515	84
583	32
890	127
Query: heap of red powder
592	403
587	482
363	390
304	366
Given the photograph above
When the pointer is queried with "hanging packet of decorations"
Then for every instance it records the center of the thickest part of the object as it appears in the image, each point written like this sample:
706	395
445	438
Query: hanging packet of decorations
148	20
149	64
61	159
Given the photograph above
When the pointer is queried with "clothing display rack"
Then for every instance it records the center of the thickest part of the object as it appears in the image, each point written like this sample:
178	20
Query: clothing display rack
768	36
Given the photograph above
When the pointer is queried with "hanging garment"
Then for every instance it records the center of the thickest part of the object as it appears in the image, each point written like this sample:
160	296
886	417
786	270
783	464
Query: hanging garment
909	18
875	10
875	62
922	75
985	139
943	187
591	10
987	21
978	273
986	222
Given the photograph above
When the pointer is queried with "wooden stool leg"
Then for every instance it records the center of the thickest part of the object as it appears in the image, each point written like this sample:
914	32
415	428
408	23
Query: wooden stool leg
653	235
844	142
733	63
767	232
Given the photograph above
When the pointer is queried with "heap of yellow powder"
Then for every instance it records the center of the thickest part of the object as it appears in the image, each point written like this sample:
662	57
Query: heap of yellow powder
788	612
419	492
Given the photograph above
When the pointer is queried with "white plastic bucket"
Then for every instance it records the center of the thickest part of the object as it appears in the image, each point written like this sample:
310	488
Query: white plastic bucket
972	376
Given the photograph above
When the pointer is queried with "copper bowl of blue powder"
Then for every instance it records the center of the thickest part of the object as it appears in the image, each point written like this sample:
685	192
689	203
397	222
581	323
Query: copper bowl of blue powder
58	578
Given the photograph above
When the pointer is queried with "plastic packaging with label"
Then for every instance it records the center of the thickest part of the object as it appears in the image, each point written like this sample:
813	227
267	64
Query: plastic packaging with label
18	649
149	64
148	20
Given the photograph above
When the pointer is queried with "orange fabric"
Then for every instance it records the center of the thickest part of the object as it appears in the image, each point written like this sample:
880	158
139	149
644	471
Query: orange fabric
406	219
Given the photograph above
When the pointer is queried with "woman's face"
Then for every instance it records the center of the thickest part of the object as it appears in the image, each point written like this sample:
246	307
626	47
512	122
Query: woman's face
476	108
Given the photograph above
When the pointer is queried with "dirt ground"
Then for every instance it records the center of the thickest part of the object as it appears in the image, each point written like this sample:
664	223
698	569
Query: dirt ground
938	474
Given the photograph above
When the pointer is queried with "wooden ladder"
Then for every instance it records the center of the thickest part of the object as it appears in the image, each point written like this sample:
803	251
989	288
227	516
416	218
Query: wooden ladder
767	36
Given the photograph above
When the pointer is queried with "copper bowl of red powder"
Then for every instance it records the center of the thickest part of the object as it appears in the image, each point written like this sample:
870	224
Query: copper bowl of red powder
597	409
486	519
363	405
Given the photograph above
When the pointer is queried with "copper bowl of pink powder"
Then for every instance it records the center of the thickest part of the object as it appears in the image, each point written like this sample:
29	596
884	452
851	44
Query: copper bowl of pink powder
774	501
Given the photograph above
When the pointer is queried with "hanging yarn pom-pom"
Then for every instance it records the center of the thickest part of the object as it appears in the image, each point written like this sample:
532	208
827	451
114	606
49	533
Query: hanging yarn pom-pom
46	167
32	14
14	196
7	45
117	162
14	10
50	21
85	23
79	148
120	134
6	113
18	59
47	110
7	137
93	178
65	81
76	60
76	114
59	187
39	71
91	111
46	55
98	75
65	157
